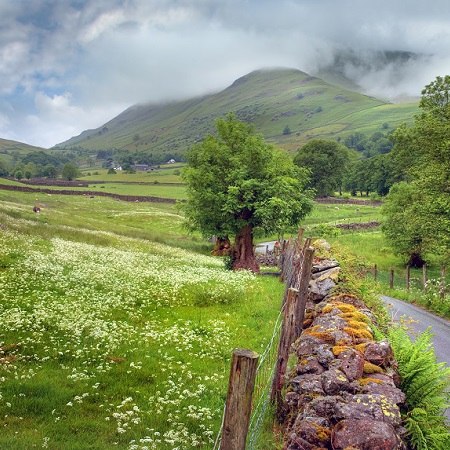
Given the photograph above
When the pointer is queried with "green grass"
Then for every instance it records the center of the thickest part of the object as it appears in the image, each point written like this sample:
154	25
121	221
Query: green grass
165	175
119	336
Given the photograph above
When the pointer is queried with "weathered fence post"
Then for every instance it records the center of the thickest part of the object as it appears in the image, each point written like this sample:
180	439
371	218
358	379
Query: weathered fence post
424	276
286	339
375	272
239	399
408	277
391	279
302	295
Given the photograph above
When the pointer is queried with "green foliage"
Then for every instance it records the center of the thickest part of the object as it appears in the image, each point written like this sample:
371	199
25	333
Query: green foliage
70	171
401	226
426	385
422	158
236	179
327	162
324	230
111	171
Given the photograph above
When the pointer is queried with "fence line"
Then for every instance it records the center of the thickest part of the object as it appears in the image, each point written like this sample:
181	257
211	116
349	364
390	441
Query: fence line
407	278
267	379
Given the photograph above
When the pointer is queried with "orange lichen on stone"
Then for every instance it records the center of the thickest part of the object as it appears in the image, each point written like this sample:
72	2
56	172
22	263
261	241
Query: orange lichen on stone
323	433
328	308
355	315
342	296
358	333
338	349
361	347
372	368
364	381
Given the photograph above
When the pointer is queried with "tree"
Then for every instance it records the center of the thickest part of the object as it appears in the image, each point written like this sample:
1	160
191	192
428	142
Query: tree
422	159
238	185
327	161
70	171
401	226
286	130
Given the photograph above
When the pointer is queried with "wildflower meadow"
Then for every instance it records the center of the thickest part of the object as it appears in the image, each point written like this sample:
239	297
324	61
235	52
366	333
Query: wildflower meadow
123	343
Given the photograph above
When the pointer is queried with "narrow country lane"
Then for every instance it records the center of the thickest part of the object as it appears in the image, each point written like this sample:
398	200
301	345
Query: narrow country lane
421	321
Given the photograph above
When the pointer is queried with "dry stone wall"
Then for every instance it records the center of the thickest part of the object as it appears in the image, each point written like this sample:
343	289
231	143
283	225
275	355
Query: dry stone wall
343	392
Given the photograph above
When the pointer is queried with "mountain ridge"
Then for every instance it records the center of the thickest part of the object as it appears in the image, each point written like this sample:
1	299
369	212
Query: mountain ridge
286	105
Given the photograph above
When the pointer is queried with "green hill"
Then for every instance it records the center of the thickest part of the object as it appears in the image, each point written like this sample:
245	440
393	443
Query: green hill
287	106
9	149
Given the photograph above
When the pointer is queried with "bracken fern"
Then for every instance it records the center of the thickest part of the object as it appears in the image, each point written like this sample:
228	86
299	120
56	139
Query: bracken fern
426	384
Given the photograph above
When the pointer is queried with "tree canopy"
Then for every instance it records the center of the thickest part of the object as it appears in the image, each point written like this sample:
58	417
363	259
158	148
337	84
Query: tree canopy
423	153
327	162
237	184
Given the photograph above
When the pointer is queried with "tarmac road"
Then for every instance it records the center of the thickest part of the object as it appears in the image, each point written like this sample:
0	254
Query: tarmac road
421	321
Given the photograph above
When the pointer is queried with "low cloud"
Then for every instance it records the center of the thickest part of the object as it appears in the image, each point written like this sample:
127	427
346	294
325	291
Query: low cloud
68	66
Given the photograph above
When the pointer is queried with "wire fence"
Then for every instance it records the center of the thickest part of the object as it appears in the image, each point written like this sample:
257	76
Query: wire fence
261	392
399	279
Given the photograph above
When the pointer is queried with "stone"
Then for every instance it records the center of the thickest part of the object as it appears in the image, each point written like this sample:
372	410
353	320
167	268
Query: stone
322	407
306	345
307	384
334	382
332	273
324	264
324	355
364	435
320	289
379	353
392	393
314	430
368	406
292	399
351	363
309	365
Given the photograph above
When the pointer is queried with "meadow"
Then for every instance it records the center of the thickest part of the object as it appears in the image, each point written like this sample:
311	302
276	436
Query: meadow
110	338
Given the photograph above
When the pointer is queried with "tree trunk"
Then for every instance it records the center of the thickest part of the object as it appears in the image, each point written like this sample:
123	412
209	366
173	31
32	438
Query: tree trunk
415	260
243	254
222	247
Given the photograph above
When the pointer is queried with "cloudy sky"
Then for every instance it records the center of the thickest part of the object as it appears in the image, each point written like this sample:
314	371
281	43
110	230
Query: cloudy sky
69	65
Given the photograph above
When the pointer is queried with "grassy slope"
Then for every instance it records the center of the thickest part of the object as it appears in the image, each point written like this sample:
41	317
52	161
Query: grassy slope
120	339
270	99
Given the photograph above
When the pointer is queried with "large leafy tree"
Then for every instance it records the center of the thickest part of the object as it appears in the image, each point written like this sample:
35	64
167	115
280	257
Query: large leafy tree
237	185
328	162
422	157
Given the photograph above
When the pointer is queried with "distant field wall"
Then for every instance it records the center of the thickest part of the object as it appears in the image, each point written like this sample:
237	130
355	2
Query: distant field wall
126	198
348	201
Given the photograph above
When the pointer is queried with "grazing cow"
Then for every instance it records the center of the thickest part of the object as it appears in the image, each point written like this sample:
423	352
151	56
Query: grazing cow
36	209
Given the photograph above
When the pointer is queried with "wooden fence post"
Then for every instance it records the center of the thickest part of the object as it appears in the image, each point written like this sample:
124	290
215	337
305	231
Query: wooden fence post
375	272
408	277
302	295
239	399
286	338
424	276
391	279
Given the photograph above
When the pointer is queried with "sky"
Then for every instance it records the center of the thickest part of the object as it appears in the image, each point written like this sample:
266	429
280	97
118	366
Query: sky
70	65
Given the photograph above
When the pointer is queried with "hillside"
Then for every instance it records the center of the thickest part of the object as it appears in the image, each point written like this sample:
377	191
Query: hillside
271	99
10	149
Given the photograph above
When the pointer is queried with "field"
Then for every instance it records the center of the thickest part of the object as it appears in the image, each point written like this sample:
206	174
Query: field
109	338
117	327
